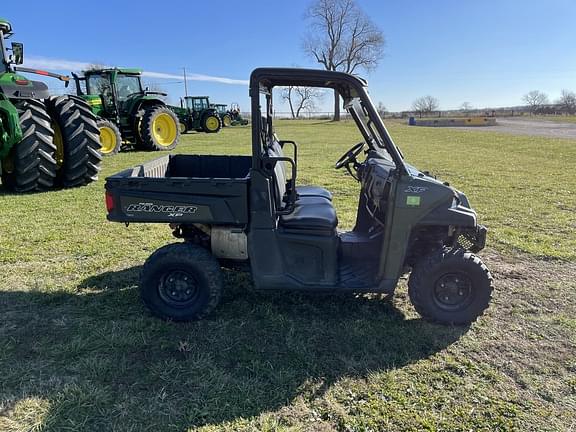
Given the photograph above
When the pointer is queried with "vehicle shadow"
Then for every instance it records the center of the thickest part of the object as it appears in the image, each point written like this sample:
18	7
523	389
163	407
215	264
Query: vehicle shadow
256	353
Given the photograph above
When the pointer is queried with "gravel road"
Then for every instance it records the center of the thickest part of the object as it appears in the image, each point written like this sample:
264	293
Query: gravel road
527	127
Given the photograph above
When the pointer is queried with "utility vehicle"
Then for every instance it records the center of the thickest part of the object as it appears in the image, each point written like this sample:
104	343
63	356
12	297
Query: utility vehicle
128	113
45	141
196	113
249	209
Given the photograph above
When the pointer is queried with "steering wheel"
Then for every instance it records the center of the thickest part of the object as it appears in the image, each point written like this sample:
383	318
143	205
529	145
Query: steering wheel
350	156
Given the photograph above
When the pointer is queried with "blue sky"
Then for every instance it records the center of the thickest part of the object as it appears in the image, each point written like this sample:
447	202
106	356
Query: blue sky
488	53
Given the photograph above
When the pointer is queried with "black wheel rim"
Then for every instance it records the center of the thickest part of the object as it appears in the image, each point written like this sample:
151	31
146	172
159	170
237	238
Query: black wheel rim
453	291
178	288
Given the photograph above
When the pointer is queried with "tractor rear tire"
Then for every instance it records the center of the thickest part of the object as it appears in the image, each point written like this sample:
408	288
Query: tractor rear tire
77	140
211	123
159	128
110	137
31	165
226	120
181	282
450	286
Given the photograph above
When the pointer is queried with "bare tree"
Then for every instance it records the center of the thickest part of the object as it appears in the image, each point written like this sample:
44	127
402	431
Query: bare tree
425	105
466	107
301	99
381	108
535	100
568	101
342	38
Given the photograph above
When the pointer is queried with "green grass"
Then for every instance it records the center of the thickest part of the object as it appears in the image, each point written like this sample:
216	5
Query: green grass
78	351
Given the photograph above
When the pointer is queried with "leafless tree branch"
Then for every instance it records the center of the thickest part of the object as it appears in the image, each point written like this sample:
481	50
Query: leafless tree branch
425	105
342	38
301	99
535	100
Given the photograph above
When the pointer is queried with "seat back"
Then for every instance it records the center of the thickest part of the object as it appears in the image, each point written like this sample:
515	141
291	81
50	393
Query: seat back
275	150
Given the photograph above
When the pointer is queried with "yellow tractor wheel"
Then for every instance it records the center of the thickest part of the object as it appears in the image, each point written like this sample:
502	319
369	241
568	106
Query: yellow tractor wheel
110	138
159	129
211	123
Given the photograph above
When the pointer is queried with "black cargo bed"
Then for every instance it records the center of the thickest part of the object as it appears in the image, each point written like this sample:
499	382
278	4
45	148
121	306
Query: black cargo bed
182	188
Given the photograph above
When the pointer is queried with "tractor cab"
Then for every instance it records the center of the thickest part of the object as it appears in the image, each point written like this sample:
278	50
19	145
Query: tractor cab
196	104
221	108
111	88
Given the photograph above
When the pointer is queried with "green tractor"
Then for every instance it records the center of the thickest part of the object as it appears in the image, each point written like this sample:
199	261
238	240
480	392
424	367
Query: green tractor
44	141
127	112
224	114
236	116
196	113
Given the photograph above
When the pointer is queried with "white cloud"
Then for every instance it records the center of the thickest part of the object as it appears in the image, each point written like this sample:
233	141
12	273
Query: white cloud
76	66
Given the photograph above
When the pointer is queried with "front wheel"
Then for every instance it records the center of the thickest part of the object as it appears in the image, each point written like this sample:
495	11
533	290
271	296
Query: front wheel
450	286
181	281
160	128
226	120
110	137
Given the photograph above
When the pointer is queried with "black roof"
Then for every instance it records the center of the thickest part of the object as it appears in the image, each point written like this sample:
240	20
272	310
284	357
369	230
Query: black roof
347	85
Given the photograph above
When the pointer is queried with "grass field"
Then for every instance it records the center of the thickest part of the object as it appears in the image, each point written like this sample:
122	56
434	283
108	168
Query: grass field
78	351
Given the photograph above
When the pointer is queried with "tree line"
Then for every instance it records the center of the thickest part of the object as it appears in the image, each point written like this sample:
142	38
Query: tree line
538	102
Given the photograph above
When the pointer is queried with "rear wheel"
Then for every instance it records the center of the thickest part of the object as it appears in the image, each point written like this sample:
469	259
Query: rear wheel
226	120
211	123
110	137
77	140
159	129
181	281
31	165
450	286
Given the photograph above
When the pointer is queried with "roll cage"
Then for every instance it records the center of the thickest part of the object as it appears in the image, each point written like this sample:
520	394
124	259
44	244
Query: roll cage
353	91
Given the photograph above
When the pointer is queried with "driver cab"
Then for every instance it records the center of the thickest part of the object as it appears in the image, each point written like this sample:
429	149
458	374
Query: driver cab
113	86
98	83
298	245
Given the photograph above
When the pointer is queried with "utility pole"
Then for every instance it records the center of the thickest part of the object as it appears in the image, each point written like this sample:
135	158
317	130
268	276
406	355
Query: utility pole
185	83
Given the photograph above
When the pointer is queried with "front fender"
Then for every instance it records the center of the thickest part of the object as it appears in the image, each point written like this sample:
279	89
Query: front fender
450	213
10	131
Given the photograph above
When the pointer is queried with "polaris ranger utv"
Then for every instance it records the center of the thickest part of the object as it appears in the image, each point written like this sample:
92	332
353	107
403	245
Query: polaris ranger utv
249	209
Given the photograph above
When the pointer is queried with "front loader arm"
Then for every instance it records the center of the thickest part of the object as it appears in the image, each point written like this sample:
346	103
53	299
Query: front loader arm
64	78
